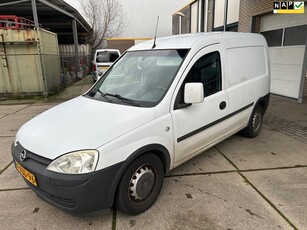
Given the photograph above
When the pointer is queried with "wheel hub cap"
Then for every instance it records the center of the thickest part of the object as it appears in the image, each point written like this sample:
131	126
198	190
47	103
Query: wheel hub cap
141	183
256	121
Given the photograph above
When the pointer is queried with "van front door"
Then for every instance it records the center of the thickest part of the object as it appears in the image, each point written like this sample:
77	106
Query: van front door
199	126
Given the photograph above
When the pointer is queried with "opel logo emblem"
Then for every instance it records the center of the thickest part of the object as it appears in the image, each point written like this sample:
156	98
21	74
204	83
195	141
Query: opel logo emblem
23	155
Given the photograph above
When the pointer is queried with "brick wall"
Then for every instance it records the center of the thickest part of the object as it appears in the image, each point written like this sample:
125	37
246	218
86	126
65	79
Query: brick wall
210	15
121	45
175	24
305	88
185	21
248	10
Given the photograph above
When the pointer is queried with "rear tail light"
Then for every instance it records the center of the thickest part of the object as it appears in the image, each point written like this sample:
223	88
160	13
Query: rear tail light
94	67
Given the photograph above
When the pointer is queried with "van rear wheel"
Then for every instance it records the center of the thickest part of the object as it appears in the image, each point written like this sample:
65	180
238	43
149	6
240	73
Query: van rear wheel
140	185
255	123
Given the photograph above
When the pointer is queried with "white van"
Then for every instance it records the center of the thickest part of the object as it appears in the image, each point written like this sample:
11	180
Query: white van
103	59
154	109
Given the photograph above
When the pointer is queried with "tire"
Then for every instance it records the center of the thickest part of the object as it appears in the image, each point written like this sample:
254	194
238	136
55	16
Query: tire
254	125
140	184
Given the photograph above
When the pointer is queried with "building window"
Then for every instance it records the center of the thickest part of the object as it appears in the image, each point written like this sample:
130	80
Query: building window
230	27
273	37
290	36
233	9
296	35
194	17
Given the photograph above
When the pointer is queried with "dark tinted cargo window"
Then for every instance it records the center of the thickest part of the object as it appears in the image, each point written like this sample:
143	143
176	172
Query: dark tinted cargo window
113	55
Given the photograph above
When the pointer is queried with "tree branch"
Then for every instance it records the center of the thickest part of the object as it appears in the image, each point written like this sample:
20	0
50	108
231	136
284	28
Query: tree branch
105	17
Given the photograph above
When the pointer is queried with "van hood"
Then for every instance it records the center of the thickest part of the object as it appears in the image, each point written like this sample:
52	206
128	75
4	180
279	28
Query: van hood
80	123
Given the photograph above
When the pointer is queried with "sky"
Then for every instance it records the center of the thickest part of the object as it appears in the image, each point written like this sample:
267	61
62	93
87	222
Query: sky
141	16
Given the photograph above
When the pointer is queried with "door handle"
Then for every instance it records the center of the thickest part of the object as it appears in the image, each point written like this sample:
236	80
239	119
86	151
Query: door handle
222	105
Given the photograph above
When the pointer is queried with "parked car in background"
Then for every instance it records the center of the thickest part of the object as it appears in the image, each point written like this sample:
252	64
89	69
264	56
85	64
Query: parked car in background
103	58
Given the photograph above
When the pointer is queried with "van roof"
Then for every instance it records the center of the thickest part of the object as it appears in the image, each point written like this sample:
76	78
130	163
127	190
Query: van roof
188	41
100	50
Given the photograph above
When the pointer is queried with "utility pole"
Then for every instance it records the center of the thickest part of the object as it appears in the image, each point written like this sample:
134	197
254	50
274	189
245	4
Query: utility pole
225	14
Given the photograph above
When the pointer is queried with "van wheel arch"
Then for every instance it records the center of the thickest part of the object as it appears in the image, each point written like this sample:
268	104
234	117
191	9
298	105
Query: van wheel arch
155	149
264	102
140	185
257	116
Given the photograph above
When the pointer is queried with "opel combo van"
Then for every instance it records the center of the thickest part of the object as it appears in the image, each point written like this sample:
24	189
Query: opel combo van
160	104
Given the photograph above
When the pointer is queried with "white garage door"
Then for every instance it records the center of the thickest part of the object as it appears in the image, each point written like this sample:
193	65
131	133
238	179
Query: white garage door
286	37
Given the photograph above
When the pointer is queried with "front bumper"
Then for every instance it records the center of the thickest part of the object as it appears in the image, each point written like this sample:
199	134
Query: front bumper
82	193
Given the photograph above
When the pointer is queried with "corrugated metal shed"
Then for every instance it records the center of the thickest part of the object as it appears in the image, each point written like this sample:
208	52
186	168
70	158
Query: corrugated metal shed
54	15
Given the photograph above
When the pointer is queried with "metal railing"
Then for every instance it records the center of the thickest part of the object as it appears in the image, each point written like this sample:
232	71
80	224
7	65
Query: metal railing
14	22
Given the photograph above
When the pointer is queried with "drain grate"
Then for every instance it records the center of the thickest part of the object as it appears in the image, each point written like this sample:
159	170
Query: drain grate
290	128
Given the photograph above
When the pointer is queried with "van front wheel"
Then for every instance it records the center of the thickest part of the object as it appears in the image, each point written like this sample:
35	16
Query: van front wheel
255	123
140	184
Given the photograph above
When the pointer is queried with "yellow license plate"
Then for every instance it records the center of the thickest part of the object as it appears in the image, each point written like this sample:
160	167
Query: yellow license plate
26	174
103	67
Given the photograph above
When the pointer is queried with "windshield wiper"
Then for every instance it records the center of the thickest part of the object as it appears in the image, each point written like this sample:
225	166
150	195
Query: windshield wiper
123	99
104	95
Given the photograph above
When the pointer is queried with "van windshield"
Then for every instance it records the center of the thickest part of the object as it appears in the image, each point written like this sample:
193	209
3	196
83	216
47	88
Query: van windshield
139	78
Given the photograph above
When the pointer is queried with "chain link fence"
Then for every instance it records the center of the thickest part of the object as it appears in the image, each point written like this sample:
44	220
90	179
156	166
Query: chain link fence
75	82
32	63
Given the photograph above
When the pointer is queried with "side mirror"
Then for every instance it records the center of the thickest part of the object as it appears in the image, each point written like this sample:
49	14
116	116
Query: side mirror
193	93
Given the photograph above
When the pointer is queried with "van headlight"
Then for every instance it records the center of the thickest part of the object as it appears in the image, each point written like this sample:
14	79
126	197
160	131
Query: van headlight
79	162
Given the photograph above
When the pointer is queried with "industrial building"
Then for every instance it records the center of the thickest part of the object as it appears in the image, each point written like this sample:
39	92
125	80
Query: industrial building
286	35
43	46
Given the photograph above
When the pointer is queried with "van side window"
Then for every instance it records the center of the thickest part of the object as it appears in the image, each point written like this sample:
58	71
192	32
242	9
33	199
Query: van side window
206	70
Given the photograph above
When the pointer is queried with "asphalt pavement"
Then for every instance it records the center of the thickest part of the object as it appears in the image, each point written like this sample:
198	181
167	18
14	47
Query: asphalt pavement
241	183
